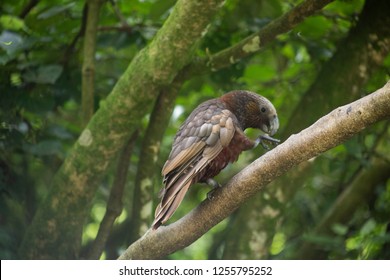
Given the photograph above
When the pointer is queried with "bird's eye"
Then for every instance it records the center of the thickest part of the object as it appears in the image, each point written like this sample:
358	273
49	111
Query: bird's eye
263	109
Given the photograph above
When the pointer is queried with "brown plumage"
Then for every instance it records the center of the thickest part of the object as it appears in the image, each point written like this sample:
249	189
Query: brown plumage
210	138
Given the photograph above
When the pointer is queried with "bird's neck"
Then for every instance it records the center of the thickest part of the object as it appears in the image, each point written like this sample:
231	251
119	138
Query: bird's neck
238	105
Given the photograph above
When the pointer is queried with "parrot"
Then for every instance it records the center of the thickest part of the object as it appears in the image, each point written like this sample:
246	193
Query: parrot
210	138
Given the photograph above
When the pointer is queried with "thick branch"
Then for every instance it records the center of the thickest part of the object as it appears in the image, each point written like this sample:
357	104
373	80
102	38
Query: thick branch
326	133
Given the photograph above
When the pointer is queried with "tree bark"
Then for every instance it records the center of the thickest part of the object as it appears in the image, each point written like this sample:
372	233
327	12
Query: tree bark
326	133
57	225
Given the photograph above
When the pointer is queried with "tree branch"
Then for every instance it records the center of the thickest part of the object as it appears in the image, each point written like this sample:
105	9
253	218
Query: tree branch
71	47
119	14
121	28
326	133
114	203
258	40
88	71
26	9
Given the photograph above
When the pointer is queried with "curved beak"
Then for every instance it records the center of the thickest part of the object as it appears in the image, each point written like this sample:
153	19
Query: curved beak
272	127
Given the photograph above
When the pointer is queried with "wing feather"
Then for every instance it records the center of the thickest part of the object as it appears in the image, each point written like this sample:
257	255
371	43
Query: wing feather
183	157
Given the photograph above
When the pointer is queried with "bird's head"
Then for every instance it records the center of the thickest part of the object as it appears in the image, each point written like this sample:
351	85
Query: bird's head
252	110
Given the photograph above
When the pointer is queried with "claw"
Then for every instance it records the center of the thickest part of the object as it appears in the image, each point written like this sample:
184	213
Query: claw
268	138
211	182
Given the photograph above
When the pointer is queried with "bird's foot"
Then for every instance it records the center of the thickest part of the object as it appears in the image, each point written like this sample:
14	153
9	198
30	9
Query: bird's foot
267	138
211	182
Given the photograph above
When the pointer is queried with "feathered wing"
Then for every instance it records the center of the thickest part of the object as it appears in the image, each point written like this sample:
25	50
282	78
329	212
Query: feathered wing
199	141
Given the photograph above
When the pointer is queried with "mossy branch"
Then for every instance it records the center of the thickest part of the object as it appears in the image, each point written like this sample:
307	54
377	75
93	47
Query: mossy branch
258	40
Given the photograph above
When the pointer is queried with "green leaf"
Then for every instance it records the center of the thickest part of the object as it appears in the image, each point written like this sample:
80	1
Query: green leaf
47	74
368	227
339	229
12	23
256	73
159	8
354	147
45	148
278	243
60	132
55	11
314	27
345	7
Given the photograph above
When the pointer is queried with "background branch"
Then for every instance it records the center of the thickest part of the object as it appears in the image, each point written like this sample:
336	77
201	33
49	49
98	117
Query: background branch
26	9
114	203
258	40
323	135
119	14
70	49
88	69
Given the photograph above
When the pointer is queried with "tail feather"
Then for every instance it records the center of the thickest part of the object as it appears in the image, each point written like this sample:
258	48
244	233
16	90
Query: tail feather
178	181
163	213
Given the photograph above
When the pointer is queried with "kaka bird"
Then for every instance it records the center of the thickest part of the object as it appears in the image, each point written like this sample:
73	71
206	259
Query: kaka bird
210	138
